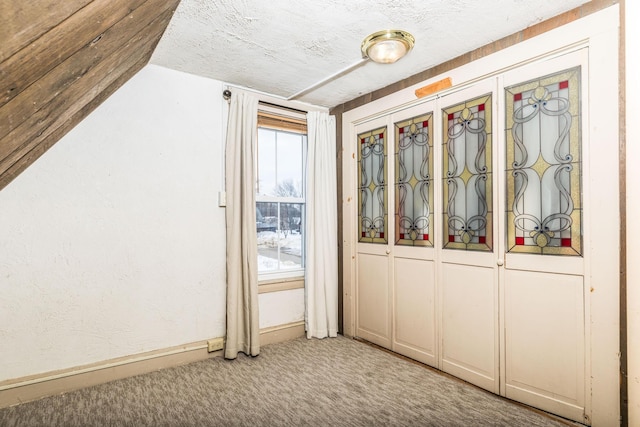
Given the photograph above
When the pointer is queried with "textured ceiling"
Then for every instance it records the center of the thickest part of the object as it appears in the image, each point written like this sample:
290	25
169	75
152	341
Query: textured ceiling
282	47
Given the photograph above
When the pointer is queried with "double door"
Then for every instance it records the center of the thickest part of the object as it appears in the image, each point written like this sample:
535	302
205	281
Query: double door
471	234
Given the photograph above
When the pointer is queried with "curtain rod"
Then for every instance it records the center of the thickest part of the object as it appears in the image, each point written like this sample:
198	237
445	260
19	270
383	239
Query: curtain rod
226	94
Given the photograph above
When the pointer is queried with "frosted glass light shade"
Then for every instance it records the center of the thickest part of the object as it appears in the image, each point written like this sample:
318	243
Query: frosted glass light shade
386	47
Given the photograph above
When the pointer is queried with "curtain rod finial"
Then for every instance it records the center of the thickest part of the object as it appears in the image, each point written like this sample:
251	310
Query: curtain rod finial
226	94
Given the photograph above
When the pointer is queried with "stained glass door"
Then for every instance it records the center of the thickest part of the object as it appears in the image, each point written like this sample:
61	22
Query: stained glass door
373	311
396	233
544	270
468	272
413	252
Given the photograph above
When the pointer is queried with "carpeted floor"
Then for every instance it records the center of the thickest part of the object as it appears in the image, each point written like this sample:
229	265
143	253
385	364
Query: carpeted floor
330	382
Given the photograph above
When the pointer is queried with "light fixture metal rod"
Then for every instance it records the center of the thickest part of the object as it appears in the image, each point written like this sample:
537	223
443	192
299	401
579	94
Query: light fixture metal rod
328	79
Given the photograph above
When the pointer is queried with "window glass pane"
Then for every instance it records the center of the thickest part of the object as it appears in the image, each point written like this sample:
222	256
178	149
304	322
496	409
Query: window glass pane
266	161
544	201
290	235
289	149
280	202
267	225
467	195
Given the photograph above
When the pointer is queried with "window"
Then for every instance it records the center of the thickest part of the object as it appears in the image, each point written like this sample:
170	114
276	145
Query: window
280	198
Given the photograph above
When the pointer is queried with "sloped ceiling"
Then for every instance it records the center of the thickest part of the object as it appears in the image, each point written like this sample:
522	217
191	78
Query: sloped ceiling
60	59
282	47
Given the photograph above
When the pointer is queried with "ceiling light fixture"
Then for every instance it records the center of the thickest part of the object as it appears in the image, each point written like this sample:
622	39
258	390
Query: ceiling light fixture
384	47
387	46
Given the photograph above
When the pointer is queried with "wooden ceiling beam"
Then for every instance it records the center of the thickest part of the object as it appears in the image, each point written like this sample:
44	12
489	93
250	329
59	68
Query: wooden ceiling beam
73	69
83	64
64	40
22	22
41	123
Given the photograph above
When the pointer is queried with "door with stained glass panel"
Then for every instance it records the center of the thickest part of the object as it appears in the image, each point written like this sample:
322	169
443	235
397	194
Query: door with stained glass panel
544	268
396	267
468	270
412	260
373	299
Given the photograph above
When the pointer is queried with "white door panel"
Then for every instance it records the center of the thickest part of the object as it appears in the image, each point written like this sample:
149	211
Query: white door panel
414	308
373	299
469	324
544	343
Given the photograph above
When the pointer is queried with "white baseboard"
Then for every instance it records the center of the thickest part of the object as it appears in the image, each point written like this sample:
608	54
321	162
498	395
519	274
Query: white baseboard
281	333
26	389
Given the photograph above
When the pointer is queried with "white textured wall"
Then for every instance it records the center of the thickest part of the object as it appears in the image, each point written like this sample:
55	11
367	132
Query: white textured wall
633	208
278	308
112	243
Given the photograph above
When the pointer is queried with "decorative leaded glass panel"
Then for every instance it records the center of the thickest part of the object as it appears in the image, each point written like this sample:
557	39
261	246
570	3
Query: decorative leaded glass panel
414	181
544	201
372	186
467	188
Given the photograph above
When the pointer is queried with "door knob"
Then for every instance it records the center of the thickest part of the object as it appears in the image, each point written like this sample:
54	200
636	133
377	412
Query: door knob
388	251
500	262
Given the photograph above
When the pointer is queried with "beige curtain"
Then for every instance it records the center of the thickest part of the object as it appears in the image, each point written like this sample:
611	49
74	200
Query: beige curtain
321	269
242	258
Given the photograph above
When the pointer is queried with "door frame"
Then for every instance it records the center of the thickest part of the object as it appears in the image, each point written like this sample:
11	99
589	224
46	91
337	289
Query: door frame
599	33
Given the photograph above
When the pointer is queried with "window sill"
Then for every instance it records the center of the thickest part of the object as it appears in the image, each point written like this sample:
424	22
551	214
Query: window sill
282	284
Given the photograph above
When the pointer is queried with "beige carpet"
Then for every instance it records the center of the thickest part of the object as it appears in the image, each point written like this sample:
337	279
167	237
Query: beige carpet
330	382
